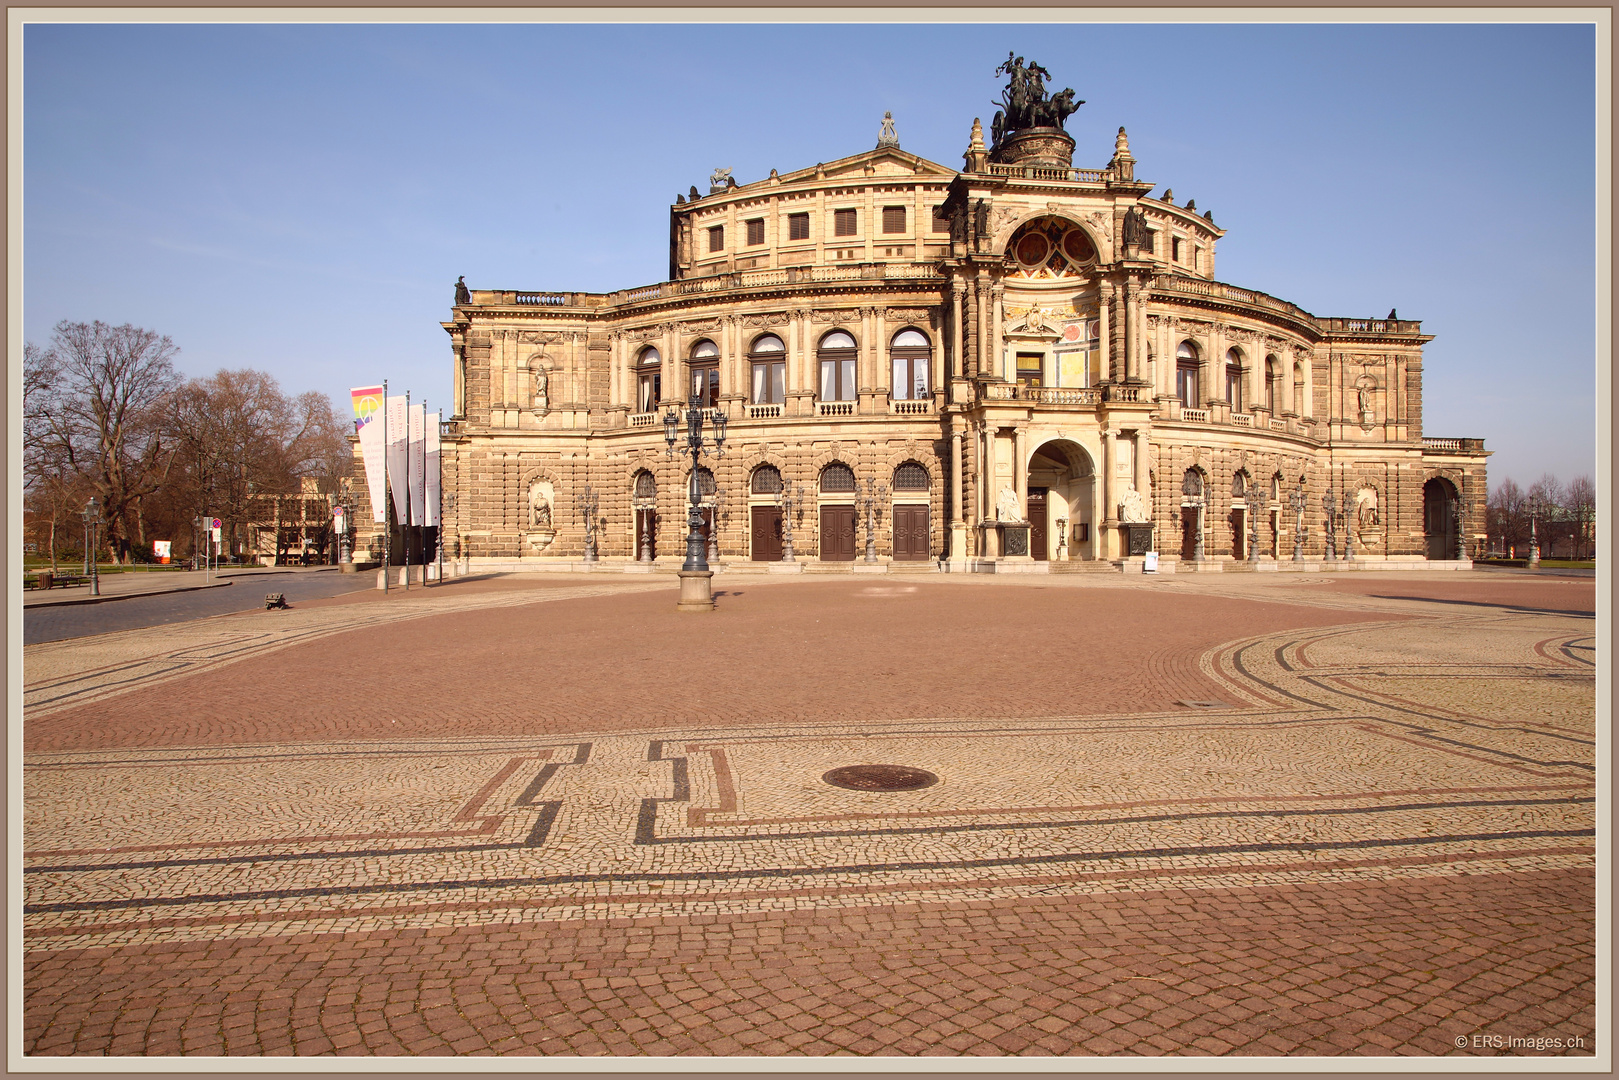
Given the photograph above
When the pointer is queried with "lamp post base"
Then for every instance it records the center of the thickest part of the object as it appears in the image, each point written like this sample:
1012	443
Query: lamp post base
696	590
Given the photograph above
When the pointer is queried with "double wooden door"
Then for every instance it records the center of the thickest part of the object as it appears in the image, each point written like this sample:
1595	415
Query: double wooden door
1039	544
766	534
837	534
910	533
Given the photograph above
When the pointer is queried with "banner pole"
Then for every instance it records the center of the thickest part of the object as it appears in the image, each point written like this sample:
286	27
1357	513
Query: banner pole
409	510
387	533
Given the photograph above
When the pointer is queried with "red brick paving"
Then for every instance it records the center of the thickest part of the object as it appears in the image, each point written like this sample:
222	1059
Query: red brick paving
809	652
1397	967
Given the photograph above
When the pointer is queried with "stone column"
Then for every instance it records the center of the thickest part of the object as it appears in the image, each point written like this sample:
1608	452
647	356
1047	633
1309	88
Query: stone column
958	297
1104	304
460	350
1110	510
1138	464
996	347
986	471
791	377
980	327
958	512
1132	331
1020	470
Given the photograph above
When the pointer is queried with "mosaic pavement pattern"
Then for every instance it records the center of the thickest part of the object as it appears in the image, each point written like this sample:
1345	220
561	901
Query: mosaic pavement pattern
1377	839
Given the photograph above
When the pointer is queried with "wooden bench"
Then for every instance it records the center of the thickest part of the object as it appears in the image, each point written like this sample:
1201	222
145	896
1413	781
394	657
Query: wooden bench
275	600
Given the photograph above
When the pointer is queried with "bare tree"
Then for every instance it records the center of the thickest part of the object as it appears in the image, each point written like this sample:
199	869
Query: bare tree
1508	510
105	418
1580	500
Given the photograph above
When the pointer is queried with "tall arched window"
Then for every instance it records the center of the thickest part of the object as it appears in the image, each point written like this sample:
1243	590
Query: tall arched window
1186	365
1233	379
1298	389
649	380
646	487
837	357
912	354
769	361
836	479
705	374
1271	376
766	480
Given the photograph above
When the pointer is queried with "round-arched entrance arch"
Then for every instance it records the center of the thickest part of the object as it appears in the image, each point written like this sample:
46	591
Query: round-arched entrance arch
1062	508
1441	522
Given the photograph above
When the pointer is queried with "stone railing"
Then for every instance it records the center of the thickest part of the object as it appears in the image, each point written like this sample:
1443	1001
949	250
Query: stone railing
1196	416
549	299
834	408
912	407
1041	395
1218	290
1453	446
1121	393
764	412
1278	425
1051	172
1372	326
644	419
1242	419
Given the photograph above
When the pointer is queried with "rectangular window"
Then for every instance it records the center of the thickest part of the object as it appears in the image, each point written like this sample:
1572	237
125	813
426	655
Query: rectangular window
941	220
893	219
705	385
843	223
910	377
756	231
1175	249
1186	385
837	380
1030	369
1233	388
716	238
798	226
769	383
647	396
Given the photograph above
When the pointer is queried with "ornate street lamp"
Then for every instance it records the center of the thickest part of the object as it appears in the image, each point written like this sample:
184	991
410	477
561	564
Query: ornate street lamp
1330	508
790	503
1296	501
714	525
588	505
875	493
92	529
1535	509
696	579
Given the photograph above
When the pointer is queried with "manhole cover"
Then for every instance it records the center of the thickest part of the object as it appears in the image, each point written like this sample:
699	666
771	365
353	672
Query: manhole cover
880	778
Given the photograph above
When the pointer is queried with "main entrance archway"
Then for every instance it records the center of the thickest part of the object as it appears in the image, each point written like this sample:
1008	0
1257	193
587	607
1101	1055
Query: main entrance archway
1063	472
1439	518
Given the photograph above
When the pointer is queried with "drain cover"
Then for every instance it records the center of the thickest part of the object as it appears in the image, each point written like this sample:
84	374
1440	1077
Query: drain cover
880	778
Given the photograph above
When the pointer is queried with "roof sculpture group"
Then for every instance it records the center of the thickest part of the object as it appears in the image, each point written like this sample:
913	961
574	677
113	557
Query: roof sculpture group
1024	103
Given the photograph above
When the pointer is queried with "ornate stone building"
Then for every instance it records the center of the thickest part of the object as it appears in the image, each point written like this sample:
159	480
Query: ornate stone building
1001	367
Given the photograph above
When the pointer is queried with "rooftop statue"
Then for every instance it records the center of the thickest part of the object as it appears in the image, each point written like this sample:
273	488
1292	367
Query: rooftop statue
1024	103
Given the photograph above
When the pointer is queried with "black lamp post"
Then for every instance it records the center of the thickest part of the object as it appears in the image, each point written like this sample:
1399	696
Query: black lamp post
1535	509
92	529
696	579
587	510
1331	510
1296	501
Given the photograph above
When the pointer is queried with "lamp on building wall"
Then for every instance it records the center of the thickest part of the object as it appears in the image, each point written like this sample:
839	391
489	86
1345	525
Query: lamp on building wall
92	530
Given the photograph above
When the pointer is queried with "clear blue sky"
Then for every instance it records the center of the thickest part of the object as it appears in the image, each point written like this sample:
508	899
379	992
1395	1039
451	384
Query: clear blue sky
300	199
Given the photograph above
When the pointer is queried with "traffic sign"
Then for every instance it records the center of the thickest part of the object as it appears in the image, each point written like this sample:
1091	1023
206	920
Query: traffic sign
217	524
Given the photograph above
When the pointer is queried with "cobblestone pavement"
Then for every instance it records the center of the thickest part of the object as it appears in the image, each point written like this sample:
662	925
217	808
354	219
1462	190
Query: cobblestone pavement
1236	816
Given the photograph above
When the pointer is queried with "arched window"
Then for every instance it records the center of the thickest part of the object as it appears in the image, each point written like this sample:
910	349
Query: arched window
649	380
1276	488
837	356
646	487
705	374
1270	383
769	360
912	353
1233	379
836	479
766	480
1186	365
910	476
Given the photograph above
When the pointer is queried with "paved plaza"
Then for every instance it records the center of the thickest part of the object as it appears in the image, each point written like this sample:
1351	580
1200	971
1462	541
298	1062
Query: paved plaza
547	814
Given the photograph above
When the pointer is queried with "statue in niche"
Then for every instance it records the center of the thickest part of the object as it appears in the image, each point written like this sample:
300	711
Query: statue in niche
542	383
539	509
1363	398
1006	505
1366	515
1132	508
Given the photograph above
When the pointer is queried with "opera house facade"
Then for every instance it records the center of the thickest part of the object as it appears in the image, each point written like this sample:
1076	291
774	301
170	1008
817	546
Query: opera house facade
1017	365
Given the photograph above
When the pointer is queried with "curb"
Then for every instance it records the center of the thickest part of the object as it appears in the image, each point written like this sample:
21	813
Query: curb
122	596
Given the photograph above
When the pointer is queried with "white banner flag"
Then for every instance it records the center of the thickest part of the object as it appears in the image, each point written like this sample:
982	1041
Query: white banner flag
368	424
418	461
433	450
398	455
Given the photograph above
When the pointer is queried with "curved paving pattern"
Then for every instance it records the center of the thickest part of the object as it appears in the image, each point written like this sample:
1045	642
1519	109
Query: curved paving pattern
1380	840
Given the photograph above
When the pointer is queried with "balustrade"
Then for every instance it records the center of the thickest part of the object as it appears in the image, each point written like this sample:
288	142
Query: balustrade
834	408
764	412
913	407
1196	416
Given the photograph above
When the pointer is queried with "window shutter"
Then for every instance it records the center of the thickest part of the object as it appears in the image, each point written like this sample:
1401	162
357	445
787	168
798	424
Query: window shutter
756	231
798	226
893	219
716	238
941	220
843	222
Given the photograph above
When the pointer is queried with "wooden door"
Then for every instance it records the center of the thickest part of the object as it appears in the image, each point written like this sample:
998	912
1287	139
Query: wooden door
767	534
911	533
1039	546
837	534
